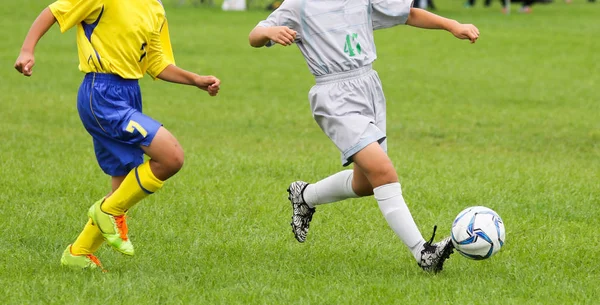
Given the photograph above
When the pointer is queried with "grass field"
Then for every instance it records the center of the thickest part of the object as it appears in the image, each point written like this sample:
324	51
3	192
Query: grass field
512	123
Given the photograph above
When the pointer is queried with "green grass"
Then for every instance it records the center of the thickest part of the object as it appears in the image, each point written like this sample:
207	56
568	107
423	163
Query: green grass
511	123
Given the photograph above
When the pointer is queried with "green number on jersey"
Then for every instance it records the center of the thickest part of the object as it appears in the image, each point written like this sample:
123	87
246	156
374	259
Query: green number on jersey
352	47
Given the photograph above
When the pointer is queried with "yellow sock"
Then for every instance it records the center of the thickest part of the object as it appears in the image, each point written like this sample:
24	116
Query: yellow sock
139	183
88	241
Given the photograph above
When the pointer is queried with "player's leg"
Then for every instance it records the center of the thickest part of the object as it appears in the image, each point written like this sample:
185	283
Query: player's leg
304	197
360	183
115	182
339	186
380	172
166	154
111	113
80	254
166	160
349	133
331	189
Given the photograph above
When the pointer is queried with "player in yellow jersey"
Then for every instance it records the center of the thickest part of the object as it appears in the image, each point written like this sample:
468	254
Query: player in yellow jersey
118	42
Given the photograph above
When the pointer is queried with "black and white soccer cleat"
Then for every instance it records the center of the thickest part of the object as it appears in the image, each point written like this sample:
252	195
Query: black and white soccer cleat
301	212
433	256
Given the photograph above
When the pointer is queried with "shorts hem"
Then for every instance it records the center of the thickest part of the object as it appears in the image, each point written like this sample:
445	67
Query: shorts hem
348	153
148	140
121	171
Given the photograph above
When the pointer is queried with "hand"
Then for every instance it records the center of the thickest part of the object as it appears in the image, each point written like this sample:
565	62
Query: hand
25	62
281	35
208	83
465	31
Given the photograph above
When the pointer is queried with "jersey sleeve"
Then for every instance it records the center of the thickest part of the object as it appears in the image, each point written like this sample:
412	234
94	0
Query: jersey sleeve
69	13
160	52
287	14
389	13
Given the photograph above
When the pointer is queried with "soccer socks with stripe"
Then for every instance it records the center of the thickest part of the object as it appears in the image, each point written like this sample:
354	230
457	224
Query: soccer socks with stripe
139	183
331	189
88	241
395	211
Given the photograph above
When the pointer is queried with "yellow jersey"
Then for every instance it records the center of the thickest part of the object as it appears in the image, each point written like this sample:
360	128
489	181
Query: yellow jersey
126	38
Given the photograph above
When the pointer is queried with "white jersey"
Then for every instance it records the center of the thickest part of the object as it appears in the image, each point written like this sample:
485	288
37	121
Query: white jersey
337	35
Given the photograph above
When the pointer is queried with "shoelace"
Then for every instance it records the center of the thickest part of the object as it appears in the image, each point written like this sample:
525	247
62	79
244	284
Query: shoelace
122	226
96	261
432	235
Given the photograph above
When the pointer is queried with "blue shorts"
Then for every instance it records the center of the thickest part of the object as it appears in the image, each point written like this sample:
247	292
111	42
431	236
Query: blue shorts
110	109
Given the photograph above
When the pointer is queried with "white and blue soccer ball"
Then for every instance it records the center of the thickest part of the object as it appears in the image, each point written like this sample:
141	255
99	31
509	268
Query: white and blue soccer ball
478	233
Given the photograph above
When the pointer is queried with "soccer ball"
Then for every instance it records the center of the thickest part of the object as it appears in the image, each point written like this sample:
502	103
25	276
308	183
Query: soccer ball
478	232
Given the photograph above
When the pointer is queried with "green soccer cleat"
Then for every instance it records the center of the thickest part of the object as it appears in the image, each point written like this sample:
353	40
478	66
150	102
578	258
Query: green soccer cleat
113	228
80	261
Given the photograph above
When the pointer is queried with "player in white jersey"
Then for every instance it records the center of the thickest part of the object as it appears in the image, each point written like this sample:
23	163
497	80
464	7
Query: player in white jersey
336	40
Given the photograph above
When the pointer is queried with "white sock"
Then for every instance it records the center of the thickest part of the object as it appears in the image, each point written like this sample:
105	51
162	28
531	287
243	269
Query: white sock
331	189
398	216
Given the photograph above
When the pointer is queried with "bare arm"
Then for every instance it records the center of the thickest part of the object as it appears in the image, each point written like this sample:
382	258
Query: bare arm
282	35
423	19
177	75
40	26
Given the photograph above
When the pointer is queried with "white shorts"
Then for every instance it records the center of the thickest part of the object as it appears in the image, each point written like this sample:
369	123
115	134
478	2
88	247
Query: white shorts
350	108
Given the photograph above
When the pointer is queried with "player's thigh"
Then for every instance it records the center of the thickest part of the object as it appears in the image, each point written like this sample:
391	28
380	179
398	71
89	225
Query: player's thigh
375	165
165	148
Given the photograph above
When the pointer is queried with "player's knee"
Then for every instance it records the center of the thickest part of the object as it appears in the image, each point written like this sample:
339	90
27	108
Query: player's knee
170	164
175	163
382	175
